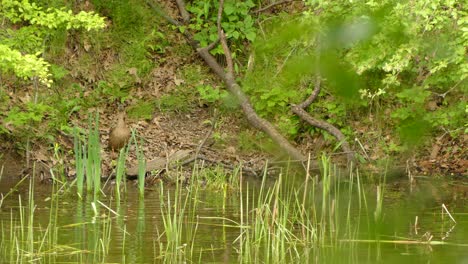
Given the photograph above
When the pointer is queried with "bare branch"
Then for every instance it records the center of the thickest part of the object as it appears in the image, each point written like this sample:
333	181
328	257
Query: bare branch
327	127
208	134
205	54
227	53
313	95
220	14
222	37
304	115
183	11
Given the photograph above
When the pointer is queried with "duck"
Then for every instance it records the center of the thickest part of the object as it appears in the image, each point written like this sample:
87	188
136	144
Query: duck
120	134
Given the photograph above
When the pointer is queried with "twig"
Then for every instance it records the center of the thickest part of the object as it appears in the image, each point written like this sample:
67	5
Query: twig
362	147
213	123
317	86
280	68
444	208
304	115
453	87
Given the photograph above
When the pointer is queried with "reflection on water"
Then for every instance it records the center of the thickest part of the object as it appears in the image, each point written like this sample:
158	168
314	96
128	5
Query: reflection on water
136	230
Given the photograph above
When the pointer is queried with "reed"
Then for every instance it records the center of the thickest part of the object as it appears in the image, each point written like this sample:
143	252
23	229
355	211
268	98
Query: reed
141	164
25	240
283	224
173	213
380	196
120	172
79	161
95	146
93	156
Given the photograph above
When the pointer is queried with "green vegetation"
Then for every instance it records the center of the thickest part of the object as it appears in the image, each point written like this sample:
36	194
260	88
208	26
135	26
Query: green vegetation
88	162
30	38
134	42
141	164
238	23
176	102
23	48
27	240
142	110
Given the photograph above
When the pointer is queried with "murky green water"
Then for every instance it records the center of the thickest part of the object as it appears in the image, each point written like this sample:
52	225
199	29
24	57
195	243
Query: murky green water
133	230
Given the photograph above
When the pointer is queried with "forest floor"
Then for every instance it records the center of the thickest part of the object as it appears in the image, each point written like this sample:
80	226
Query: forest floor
168	133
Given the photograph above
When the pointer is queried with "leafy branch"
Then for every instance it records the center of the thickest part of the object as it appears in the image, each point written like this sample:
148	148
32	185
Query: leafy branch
17	11
24	66
30	65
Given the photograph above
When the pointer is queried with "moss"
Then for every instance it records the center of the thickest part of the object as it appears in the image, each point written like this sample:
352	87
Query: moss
142	110
173	102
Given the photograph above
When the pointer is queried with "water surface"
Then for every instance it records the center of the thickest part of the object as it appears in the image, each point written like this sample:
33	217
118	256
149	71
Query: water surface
133	229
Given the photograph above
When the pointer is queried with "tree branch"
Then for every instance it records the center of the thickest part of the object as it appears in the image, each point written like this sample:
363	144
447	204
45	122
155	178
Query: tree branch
312	96
222	37
183	11
304	115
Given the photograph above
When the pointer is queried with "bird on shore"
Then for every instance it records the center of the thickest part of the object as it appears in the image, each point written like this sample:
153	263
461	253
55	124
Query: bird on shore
120	134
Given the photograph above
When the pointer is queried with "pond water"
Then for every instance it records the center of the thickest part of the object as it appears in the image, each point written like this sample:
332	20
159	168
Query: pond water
179	224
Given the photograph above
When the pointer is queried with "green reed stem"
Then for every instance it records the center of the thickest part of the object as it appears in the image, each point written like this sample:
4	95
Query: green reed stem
79	161
93	157
120	171
141	164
